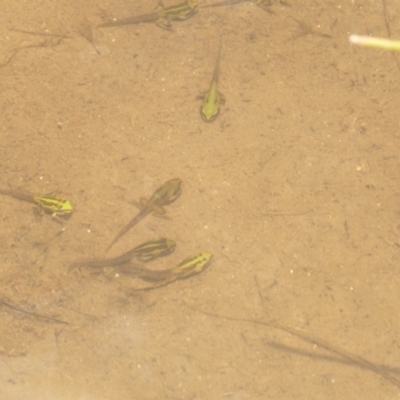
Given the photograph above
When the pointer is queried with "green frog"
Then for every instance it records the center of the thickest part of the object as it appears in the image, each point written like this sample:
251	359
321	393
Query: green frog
162	15
190	266
213	99
144	252
58	208
164	195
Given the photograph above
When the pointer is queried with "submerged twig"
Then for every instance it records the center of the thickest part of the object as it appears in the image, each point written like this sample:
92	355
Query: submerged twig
32	314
